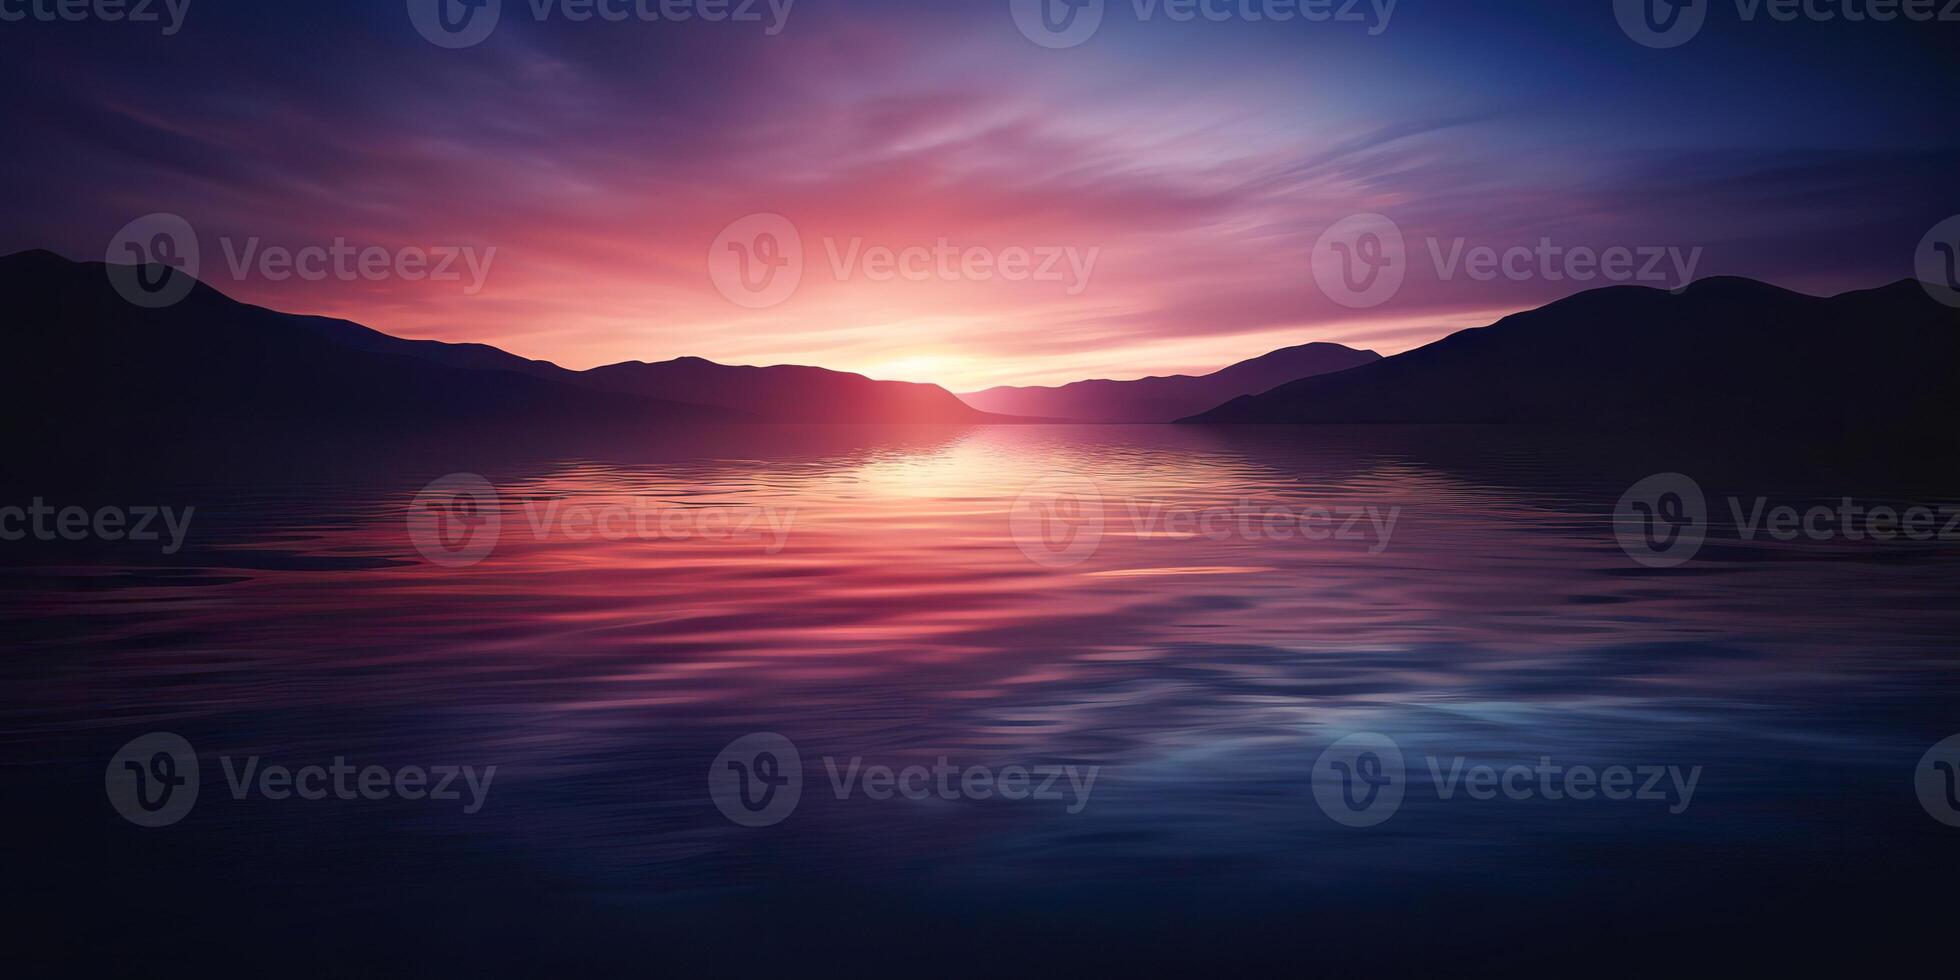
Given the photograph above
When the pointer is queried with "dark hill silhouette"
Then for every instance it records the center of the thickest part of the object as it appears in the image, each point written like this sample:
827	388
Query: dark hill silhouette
474	357
1166	399
76	351
784	393
789	393
1723	351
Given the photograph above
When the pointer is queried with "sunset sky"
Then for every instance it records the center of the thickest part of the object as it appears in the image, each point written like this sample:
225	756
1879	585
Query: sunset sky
602	160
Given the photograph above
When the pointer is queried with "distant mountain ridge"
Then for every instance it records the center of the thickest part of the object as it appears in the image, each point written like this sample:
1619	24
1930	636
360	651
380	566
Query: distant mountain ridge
74	354
1167	399
1722	350
75	342
75	350
787	392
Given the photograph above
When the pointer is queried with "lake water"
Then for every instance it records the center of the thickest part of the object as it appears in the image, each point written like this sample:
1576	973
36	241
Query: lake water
1166	632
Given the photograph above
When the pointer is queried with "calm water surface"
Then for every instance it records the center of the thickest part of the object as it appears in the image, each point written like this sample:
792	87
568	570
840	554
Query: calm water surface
1134	601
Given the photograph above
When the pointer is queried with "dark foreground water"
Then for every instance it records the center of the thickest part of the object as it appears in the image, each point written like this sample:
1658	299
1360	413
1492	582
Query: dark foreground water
1060	699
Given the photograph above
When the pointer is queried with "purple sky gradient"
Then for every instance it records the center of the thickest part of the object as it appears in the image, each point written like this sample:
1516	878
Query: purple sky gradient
1201	161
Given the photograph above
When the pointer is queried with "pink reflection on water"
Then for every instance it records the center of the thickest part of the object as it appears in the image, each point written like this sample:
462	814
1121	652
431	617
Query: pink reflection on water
881	582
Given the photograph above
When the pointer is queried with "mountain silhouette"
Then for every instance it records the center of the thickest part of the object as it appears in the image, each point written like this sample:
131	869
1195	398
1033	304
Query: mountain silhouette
1166	399
788	393
77	351
76	347
1721	352
783	393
